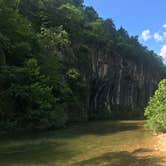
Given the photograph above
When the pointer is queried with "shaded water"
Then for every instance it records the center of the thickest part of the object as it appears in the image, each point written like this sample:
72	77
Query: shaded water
103	143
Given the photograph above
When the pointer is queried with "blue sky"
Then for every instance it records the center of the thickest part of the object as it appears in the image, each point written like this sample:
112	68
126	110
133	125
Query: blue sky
144	18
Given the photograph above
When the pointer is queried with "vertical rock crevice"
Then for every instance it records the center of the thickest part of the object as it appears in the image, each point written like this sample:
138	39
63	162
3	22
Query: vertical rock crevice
122	85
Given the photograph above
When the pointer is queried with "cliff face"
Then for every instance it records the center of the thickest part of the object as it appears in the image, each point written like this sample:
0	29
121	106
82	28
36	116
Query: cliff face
120	84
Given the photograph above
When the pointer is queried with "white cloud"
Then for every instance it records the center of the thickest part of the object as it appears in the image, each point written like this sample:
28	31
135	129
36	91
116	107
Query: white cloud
164	26
163	51
146	35
164	34
158	37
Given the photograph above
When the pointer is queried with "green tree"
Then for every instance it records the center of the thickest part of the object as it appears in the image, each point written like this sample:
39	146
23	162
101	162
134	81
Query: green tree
34	105
17	38
155	112
90	14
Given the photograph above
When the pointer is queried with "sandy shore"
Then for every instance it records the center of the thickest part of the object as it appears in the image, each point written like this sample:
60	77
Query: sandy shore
161	142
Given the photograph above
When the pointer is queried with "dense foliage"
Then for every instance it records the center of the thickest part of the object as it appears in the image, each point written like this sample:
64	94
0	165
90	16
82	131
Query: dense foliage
46	53
156	110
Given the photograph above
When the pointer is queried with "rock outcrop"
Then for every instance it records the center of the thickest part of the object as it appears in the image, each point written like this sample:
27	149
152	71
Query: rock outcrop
122	85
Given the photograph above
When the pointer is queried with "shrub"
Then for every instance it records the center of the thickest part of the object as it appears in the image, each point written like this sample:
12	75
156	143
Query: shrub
155	112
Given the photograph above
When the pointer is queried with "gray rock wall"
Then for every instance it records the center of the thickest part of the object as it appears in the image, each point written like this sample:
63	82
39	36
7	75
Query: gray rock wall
121	83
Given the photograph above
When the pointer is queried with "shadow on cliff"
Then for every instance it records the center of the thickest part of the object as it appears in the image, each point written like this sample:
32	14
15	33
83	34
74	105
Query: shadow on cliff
139	157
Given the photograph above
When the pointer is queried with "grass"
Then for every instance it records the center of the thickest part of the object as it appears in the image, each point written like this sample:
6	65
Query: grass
103	143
